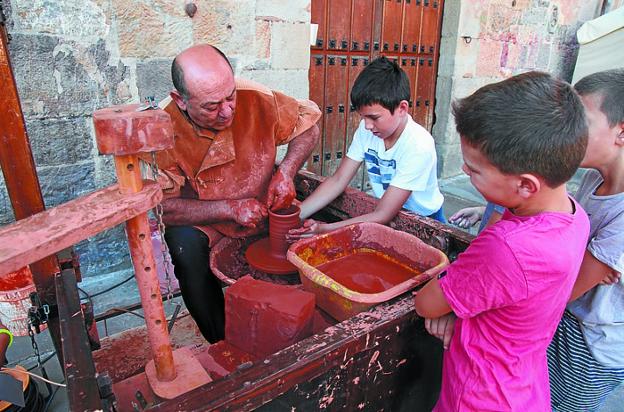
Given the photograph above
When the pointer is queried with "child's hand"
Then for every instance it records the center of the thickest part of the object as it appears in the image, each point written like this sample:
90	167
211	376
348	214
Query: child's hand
310	228
467	217
611	278
442	328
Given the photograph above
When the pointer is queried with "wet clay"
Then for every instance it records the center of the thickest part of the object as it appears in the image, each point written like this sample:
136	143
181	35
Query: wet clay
269	254
367	271
262	318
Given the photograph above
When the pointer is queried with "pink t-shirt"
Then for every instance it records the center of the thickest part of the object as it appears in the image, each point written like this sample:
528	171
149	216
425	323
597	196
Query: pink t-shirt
509	290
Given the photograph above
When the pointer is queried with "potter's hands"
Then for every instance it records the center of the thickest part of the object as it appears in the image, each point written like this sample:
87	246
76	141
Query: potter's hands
248	212
611	278
281	191
467	217
309	228
442	328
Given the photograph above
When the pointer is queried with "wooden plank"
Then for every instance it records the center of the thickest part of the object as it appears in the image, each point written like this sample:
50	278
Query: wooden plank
338	27
336	106
316	77
78	362
20	177
48	232
392	26
411	26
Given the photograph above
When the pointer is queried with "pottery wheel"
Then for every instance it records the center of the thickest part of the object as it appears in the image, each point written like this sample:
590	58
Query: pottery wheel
259	256
228	263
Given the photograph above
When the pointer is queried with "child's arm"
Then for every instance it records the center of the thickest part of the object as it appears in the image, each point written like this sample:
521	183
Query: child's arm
330	189
591	273
390	204
430	300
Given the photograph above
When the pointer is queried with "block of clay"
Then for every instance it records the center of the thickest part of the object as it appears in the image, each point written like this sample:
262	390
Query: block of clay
262	318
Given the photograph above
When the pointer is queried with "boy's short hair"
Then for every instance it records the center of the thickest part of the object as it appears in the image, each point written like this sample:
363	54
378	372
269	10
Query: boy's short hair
382	82
529	123
608	84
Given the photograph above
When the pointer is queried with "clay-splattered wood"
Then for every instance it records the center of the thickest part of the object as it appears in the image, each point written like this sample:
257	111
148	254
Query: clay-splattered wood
48	232
378	360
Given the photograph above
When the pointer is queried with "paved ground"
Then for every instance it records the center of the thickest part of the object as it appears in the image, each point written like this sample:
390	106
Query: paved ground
458	194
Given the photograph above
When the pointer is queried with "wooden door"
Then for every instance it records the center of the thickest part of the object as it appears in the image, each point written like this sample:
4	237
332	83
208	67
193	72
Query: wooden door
351	33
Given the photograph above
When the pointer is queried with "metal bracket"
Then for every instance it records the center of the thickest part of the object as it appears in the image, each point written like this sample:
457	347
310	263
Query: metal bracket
38	313
150	104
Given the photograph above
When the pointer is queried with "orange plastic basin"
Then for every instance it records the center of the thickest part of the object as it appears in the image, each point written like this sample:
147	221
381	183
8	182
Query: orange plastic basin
358	266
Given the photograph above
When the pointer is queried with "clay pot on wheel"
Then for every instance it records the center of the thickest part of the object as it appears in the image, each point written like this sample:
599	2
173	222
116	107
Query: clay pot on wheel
269	254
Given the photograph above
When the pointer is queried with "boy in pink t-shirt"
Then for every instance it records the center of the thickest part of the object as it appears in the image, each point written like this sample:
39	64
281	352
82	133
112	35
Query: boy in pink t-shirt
521	140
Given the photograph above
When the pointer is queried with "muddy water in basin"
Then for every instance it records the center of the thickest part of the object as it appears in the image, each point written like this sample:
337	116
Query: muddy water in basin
367	271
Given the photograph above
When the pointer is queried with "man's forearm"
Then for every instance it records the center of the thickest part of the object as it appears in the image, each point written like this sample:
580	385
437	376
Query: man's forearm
181	212
299	149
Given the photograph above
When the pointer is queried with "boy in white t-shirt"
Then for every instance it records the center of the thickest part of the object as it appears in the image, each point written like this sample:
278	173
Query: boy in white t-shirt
399	154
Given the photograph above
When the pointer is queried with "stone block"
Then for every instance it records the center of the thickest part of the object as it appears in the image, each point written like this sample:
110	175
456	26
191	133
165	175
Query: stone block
262	318
296	11
290	45
262	39
104	171
488	61
152	29
7	9
72	18
450	160
104	253
58	141
229	25
293	83
58	78
6	210
154	78
60	184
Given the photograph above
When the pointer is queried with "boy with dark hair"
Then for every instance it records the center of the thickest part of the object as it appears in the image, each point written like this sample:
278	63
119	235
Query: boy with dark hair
399	154
521	140
586	356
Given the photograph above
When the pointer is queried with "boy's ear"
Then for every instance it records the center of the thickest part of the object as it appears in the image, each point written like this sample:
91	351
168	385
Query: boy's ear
619	140
403	106
528	185
177	97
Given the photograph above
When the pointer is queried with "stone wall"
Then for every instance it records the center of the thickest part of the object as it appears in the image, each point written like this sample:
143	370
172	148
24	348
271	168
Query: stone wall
71	57
486	41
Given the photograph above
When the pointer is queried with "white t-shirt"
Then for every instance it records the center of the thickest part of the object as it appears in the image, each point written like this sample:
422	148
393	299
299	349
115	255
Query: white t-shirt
411	164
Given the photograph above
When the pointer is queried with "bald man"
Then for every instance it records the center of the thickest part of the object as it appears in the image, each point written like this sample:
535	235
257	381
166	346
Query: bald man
220	178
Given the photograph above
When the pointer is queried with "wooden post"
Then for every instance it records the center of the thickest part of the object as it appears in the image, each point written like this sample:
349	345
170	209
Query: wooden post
20	176
139	240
